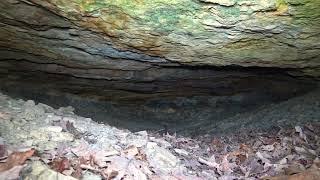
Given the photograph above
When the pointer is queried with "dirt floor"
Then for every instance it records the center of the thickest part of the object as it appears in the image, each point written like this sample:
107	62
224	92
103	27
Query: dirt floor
40	142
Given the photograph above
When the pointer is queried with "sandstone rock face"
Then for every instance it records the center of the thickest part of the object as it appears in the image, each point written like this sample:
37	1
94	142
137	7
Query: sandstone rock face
148	46
275	33
121	34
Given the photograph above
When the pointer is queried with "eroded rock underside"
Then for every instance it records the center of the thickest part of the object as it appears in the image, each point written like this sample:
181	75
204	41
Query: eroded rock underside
120	35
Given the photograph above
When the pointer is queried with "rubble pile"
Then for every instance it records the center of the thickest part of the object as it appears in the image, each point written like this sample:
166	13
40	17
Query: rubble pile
40	142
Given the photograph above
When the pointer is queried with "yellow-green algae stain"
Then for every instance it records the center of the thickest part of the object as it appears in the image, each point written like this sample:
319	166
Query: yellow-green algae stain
180	15
303	15
282	6
306	12
139	19
162	15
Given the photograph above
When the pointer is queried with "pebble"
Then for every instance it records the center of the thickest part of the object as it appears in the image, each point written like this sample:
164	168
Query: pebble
90	176
56	129
181	152
33	112
138	139
160	158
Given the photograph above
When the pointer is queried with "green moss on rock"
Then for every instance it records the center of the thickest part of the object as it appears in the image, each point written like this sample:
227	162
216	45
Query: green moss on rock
246	32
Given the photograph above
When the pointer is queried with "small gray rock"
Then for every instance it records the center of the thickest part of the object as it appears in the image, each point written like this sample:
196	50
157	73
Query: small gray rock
160	158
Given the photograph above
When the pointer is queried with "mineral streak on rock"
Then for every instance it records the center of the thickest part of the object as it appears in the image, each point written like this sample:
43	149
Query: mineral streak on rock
110	34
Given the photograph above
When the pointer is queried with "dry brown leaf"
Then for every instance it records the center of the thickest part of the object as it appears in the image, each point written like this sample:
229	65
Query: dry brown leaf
70	128
268	147
175	177
316	162
118	166
136	172
241	158
294	169
11	174
131	151
77	173
109	174
217	144
15	159
88	167
101	157
60	164
245	148
164	177
241	154
262	156
82	150
141	156
311	174
225	165
3	151
268	140
68	172
98	157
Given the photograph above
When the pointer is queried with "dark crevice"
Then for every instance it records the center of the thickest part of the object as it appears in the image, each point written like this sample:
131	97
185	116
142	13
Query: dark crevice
187	99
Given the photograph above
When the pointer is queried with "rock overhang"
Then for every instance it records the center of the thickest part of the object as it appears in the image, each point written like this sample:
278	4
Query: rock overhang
267	33
161	46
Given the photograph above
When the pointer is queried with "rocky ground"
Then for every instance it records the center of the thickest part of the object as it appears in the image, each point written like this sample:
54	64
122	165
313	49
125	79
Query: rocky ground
40	142
289	113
